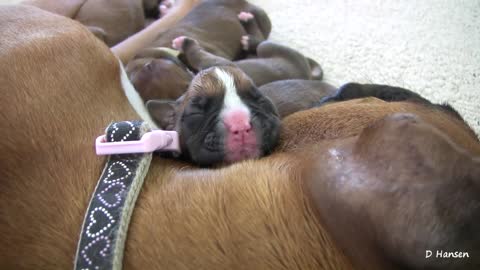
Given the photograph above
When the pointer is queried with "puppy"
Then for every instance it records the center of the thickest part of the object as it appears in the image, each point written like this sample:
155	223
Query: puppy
290	96
156	74
273	62
110	21
222	118
218	25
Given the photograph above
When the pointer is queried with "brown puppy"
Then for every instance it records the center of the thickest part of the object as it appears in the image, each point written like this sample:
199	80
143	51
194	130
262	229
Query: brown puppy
159	74
156	74
286	211
273	62
218	25
111	21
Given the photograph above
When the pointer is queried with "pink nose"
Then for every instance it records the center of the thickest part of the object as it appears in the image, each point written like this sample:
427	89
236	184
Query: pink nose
237	123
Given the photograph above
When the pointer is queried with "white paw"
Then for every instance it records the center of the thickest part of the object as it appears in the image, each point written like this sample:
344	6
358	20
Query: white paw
245	40
177	43
245	16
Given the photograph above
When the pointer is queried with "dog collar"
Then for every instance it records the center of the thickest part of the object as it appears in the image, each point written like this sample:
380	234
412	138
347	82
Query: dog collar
130	145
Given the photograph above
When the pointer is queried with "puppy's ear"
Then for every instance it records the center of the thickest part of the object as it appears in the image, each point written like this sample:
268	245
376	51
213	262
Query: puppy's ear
163	113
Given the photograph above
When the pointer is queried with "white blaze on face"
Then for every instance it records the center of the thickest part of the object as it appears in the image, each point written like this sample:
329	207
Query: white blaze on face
231	100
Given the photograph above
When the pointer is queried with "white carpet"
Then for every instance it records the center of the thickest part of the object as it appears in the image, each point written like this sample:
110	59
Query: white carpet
429	46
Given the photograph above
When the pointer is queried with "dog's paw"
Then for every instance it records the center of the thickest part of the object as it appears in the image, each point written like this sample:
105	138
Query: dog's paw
245	41
165	7
177	43
182	43
245	16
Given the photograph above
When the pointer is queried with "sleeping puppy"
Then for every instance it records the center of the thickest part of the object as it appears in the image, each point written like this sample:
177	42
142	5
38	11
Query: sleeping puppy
222	118
218	25
157	74
290	96
273	61
110	21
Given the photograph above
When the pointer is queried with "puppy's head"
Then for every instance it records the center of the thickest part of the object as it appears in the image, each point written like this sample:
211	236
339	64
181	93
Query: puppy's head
157	74
222	118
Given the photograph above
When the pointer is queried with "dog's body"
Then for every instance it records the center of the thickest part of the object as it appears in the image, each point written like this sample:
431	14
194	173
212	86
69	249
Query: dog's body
111	21
303	207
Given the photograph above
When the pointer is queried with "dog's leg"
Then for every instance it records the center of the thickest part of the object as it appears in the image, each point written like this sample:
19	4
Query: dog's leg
262	20
254	35
307	66
194	56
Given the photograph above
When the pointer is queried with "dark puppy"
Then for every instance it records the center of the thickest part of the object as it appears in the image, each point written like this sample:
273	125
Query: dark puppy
273	61
218	25
222	118
290	96
157	74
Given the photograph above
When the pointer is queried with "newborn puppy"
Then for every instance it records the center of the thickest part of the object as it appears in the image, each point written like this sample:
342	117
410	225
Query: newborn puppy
222	118
110	21
290	96
274	62
157	74
218	25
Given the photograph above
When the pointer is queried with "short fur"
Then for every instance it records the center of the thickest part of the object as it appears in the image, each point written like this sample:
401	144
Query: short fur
111	21
271	213
215	25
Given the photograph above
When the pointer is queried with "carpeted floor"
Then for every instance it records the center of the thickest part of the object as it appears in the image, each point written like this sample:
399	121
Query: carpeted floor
431	46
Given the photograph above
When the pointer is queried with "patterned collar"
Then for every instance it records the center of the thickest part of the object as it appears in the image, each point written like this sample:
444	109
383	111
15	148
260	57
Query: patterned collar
104	230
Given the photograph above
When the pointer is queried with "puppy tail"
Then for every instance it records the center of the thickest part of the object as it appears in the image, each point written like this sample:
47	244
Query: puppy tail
316	71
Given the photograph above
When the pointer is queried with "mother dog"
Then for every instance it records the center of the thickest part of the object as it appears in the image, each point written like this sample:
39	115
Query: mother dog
361	184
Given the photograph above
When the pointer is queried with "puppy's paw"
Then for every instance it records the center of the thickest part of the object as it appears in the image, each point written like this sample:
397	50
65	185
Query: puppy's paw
245	40
182	43
165	7
177	43
245	16
250	43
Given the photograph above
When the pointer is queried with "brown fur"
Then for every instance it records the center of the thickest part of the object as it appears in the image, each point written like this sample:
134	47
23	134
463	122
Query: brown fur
251	215
111	21
156	74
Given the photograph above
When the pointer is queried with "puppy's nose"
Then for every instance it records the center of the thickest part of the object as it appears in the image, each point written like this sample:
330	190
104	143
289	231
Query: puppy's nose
237	122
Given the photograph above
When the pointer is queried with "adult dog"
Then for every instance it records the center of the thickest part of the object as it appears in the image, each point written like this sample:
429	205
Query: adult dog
361	184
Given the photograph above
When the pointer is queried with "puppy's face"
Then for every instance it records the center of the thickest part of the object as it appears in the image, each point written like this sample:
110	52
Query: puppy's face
222	118
159	78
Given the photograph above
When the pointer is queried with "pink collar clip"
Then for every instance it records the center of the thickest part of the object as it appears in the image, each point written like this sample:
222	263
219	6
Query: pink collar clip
151	141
